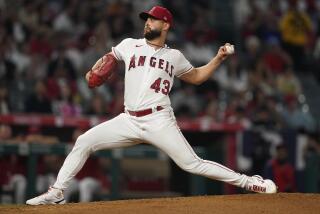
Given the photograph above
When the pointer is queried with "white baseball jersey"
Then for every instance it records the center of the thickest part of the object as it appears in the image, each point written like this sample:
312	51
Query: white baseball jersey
149	72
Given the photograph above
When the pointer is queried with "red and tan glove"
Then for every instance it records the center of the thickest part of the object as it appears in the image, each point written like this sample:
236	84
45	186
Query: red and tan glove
102	70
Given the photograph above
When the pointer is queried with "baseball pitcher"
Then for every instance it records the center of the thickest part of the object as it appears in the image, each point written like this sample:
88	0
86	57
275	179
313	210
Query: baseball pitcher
151	67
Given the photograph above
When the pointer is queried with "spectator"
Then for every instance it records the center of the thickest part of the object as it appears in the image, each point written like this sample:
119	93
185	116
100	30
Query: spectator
20	57
179	101
260	78
239	117
264	118
35	135
7	66
66	104
288	85
63	21
253	23
97	106
281	171
47	164
13	169
119	19
39	43
61	65
295	28
269	26
116	105
232	78
4	100
60	72
295	118
211	112
38	102
37	69
274	106
275	58
252	52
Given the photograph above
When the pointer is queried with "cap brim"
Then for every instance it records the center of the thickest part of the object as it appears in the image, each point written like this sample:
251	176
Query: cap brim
144	16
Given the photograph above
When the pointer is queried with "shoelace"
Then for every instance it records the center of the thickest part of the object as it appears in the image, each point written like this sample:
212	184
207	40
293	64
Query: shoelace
50	188
43	194
259	178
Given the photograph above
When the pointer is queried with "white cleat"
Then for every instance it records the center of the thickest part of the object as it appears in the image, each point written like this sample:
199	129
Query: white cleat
53	196
257	184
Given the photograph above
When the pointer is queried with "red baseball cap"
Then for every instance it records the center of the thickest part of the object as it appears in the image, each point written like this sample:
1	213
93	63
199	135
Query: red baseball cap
158	12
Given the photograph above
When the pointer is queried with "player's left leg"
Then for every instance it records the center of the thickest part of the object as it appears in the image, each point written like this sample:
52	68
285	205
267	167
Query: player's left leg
169	139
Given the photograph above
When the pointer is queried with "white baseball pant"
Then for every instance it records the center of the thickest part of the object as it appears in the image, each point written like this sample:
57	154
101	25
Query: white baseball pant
159	129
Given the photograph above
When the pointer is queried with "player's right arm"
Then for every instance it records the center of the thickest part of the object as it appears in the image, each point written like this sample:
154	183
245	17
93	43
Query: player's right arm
200	74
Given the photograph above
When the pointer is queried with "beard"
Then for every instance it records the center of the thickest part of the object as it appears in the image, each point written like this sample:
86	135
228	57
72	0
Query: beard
152	34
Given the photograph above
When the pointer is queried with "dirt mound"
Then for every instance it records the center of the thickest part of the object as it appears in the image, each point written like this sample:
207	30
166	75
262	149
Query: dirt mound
246	203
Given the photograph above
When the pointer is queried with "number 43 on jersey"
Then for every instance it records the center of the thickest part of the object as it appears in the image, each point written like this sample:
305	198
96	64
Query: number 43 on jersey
164	88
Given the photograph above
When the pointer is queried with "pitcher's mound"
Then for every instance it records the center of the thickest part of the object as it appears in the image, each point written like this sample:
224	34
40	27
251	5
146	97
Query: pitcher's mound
246	203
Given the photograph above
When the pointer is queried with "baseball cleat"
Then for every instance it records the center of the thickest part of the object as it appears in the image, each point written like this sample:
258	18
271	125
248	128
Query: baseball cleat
53	196
257	184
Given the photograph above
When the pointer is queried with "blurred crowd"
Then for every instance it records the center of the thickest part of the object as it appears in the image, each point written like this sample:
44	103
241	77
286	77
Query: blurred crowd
46	47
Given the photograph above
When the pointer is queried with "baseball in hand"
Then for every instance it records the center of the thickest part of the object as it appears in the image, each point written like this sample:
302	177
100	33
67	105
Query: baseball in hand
230	49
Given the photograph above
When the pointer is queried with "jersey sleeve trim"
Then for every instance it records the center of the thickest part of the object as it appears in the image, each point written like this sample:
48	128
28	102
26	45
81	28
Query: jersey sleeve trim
115	54
186	71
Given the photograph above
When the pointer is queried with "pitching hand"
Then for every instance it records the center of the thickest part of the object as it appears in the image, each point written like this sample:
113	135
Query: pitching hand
225	50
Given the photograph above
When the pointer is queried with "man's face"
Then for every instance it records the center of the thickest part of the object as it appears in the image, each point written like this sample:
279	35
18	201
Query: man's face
282	155
153	28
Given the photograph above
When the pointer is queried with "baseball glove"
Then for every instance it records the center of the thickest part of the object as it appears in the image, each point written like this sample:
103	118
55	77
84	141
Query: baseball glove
102	70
